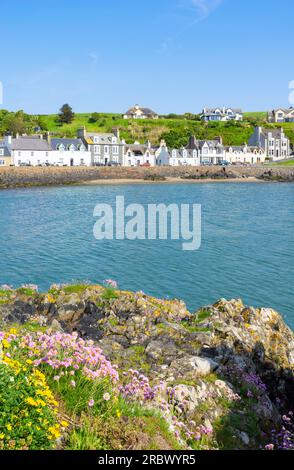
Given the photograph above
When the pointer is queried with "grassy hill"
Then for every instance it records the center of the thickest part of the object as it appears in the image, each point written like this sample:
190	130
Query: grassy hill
175	130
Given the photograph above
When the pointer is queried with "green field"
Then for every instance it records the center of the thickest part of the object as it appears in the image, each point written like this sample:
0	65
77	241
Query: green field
174	130
288	163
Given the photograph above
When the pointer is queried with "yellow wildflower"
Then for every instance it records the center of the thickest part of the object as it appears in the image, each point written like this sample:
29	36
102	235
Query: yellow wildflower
5	343
31	401
2	436
13	331
64	424
9	427
118	413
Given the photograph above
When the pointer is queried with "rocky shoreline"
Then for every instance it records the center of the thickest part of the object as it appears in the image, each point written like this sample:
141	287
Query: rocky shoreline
29	177
225	370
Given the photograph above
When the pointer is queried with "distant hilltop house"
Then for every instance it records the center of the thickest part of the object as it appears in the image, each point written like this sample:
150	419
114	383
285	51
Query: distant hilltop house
281	115
105	148
273	141
140	113
221	114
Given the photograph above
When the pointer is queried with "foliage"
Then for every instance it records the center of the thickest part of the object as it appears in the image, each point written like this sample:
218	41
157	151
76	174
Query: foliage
28	410
66	115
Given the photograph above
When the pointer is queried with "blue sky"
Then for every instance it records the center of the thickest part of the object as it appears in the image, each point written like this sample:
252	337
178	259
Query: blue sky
170	55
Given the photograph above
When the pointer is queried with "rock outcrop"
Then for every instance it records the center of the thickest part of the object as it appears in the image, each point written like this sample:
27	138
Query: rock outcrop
227	366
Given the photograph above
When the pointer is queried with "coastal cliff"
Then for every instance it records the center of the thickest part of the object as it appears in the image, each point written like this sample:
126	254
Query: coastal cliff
125	370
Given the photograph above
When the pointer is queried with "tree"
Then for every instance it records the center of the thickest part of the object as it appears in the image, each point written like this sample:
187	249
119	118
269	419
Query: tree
15	123
42	123
66	114
94	117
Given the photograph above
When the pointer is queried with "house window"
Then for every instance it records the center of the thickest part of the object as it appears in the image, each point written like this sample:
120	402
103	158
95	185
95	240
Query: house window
106	149
97	149
96	140
2	162
115	150
1	151
19	154
32	154
47	154
82	161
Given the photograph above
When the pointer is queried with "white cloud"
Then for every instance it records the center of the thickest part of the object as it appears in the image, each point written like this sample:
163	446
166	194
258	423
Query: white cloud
201	8
93	57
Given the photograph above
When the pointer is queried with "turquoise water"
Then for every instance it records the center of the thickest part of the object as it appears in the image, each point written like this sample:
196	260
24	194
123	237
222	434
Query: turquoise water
247	246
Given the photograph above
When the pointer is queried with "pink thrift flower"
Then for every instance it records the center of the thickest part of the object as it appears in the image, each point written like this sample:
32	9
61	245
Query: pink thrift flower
91	403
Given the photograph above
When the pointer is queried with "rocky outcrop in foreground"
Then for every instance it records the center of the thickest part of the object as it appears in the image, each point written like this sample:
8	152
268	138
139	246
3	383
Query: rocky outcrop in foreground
226	369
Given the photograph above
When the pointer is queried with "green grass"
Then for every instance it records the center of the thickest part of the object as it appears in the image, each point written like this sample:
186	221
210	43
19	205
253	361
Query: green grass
26	291
75	289
288	163
176	131
109	293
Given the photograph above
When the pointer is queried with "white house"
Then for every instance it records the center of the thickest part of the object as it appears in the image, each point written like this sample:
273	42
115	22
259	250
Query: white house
281	115
139	155
37	151
221	114
184	157
28	150
244	154
69	152
137	112
162	154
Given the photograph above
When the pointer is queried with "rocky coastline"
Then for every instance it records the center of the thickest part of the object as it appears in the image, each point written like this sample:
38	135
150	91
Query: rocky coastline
220	378
13	177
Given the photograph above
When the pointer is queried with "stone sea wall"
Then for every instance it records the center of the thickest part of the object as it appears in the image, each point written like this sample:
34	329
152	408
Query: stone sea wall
30	176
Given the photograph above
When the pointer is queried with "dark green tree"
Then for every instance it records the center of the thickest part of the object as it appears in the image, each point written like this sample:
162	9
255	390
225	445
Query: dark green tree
66	114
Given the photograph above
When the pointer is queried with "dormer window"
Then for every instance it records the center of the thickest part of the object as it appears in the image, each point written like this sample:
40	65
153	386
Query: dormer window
96	140
174	153
184	153
61	147
194	153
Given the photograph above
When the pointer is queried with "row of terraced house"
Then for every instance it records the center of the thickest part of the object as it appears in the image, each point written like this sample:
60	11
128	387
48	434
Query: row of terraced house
90	148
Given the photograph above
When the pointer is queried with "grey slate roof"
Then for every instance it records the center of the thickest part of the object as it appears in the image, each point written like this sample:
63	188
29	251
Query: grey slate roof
146	111
7	152
77	143
104	138
212	110
30	143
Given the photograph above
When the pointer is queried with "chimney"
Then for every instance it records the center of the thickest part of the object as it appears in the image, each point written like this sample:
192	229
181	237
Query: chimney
219	139
8	139
82	133
48	138
116	132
